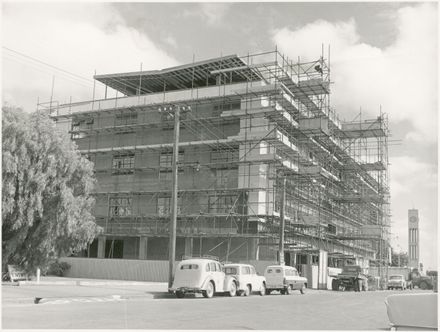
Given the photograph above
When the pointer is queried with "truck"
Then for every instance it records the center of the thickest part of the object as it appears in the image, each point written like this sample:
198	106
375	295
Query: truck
423	282
350	278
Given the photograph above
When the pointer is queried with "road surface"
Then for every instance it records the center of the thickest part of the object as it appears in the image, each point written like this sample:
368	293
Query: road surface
316	310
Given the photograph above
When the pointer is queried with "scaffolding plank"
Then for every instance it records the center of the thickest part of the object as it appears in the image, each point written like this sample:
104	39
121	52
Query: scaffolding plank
366	129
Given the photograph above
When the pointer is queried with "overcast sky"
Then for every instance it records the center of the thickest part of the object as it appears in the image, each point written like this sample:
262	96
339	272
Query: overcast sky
382	55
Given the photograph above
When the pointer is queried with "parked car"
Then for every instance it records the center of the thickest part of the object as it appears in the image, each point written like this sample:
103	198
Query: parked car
284	279
202	275
397	281
247	278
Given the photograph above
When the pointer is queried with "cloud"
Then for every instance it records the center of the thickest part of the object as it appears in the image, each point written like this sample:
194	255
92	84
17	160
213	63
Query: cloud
403	170
171	41
80	38
402	77
210	13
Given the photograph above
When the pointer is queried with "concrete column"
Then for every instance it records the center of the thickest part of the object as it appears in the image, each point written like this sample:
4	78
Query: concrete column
292	258
143	245
188	246
254	249
101	246
323	271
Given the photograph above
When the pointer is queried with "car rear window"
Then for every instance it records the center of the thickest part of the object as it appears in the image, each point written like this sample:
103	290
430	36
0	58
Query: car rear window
278	271
230	270
269	271
245	270
189	267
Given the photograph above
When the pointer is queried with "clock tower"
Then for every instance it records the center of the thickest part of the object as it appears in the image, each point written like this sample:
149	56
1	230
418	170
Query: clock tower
413	238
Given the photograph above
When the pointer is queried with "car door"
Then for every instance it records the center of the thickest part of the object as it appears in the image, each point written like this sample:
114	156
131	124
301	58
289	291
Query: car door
254	279
219	277
297	284
214	275
245	273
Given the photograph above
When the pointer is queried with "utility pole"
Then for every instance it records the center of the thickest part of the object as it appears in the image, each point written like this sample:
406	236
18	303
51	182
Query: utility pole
173	221
282	221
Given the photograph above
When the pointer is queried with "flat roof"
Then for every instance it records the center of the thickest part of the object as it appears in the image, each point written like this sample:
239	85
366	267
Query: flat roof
193	75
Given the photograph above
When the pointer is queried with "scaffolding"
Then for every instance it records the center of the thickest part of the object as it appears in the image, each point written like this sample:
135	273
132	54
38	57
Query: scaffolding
252	121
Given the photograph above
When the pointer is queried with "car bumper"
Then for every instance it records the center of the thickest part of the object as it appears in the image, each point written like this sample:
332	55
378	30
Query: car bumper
276	286
185	289
395	285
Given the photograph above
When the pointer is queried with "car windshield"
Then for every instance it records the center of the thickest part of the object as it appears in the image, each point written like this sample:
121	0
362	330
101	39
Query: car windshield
396	277
189	267
230	270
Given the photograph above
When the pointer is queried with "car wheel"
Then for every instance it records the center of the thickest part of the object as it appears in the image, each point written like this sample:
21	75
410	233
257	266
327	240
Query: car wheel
232	289
288	290
247	291
303	289
268	291
180	294
423	285
209	292
263	290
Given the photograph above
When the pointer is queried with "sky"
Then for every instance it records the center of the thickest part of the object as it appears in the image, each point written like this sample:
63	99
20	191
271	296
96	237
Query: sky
383	57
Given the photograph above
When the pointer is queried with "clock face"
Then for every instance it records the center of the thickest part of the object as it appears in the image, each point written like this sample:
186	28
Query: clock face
413	219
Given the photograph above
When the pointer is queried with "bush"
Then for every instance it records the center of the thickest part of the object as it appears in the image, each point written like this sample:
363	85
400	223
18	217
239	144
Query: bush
58	268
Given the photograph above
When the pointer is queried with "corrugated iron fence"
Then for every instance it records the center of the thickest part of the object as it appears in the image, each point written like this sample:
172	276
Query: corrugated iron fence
128	269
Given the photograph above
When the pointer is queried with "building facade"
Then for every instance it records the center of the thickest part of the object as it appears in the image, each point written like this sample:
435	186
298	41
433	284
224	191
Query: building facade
258	144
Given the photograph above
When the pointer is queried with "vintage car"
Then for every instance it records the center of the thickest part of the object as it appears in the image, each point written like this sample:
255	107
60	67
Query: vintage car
247	278
202	275
284	279
397	281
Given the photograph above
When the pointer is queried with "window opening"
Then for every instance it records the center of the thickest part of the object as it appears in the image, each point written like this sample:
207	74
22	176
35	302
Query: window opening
120	206
123	164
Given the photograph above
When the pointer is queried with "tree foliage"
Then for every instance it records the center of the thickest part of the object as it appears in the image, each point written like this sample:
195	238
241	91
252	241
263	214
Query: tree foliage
399	259
46	192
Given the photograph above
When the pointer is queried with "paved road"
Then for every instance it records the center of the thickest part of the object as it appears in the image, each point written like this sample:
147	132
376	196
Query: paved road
129	308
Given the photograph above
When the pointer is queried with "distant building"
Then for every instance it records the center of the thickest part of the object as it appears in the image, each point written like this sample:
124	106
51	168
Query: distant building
413	238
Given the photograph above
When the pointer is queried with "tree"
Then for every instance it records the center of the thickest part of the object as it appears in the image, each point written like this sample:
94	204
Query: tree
399	259
46	192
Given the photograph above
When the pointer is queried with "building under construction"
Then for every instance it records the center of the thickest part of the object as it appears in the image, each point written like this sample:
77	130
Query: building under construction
259	148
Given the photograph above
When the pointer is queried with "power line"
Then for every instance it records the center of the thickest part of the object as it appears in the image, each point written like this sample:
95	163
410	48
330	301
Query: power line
42	69
46	64
89	81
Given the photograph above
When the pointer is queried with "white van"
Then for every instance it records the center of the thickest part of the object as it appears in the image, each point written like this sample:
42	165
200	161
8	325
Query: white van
284	279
